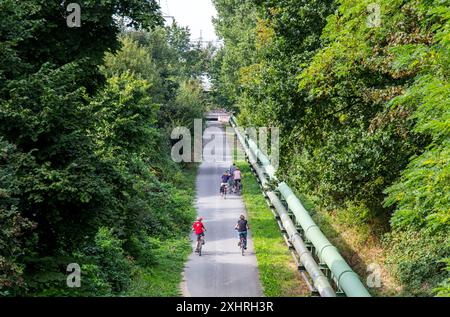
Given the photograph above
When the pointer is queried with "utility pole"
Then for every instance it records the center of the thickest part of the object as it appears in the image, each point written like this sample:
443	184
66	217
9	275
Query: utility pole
166	16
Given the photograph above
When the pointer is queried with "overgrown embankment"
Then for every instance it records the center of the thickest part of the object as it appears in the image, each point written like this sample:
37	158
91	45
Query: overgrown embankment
163	277
360	94
87	180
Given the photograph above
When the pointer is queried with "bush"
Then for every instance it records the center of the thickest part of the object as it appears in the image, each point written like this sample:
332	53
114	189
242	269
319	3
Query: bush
443	290
93	282
47	276
415	259
111	260
12	224
143	249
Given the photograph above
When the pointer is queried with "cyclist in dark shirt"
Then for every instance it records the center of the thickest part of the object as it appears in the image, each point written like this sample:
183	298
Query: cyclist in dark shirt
225	177
242	227
224	182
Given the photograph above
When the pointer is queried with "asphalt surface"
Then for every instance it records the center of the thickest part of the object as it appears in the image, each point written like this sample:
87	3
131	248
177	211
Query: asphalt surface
221	271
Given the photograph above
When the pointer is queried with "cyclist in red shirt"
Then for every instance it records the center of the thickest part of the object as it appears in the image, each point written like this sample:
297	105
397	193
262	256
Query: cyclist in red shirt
199	229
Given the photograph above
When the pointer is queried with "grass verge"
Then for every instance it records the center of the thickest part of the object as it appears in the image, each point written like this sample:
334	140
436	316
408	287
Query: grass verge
163	279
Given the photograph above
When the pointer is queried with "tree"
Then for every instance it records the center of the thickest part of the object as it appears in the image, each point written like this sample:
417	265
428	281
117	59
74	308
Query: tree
48	73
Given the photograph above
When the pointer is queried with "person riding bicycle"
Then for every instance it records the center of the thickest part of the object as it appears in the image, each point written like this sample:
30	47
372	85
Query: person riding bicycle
199	229
242	227
230	180
233	168
237	177
225	177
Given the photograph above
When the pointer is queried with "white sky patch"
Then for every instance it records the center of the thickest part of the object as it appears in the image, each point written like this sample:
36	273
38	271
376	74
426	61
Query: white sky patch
196	14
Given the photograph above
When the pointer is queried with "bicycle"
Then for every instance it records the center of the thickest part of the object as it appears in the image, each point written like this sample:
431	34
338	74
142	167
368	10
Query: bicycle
223	191
200	245
242	244
237	187
230	187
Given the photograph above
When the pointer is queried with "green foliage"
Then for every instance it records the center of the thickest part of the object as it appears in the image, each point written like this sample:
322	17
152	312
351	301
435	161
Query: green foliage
363	111
421	194
189	104
104	270
235	24
162	279
85	170
13	225
415	259
16	26
443	290
112	260
60	182
131	58
143	249
137	60
179	64
93	282
39	33
126	115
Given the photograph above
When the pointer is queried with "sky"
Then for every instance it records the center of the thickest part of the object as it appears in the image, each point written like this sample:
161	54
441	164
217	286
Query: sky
196	14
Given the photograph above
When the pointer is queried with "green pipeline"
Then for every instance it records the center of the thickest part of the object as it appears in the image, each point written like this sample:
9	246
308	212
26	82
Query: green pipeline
344	276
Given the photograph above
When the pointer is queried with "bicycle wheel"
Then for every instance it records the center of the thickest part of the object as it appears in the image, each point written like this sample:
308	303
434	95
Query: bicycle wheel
199	247
242	246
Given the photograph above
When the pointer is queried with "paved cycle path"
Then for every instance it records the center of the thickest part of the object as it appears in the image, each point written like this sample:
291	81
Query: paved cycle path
221	271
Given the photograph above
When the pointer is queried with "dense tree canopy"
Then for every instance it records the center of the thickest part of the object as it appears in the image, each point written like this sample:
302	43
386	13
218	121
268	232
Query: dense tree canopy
86	175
